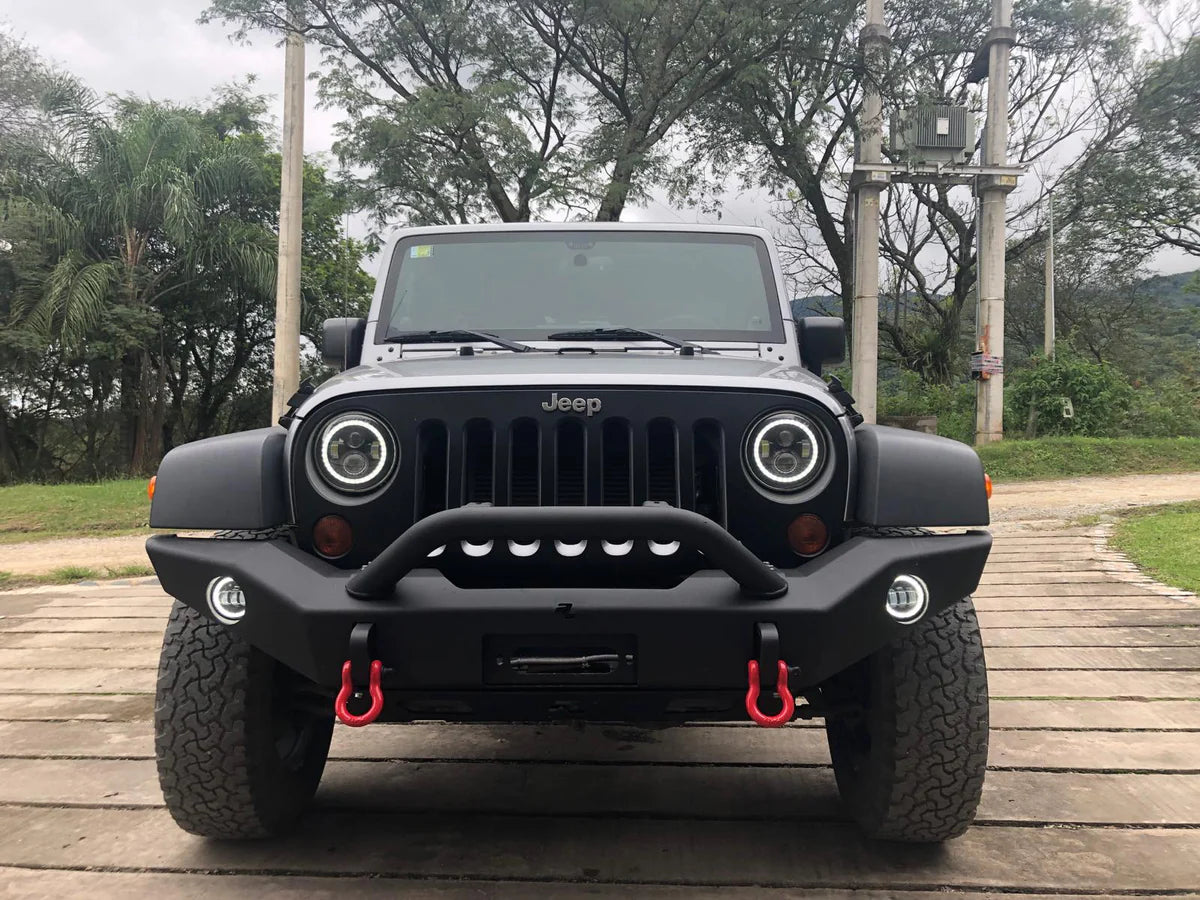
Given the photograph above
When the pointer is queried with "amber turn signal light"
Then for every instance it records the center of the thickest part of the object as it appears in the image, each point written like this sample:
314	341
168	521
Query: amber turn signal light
150	486
987	484
332	536
808	535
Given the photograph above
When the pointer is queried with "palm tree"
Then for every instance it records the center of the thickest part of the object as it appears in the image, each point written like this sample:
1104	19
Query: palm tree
139	204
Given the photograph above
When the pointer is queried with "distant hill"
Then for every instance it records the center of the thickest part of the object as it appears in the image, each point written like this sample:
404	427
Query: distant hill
1177	291
819	305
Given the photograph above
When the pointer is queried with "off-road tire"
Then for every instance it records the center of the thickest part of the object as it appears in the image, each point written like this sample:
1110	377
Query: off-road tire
222	718
911	766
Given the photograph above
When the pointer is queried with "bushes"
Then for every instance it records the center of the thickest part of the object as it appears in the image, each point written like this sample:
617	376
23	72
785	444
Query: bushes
954	405
1100	398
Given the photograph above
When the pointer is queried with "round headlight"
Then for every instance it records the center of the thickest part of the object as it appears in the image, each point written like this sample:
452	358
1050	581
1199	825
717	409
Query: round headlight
355	452
785	451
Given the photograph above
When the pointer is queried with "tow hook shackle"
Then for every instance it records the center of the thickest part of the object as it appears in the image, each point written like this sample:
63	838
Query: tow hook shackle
347	691
782	717
360	658
766	665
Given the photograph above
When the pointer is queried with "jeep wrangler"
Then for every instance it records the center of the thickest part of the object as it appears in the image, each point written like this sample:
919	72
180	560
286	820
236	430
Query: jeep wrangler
573	472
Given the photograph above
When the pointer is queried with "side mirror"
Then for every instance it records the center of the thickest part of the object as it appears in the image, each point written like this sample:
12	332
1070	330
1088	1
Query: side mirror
342	342
822	340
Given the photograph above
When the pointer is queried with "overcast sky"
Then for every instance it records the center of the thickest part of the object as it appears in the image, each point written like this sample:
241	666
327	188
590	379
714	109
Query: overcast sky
156	48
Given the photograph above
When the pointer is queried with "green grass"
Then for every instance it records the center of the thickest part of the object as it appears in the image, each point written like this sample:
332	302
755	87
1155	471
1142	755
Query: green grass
72	574
33	512
1165	542
1067	457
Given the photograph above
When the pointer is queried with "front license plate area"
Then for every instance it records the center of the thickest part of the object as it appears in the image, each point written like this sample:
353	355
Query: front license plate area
554	659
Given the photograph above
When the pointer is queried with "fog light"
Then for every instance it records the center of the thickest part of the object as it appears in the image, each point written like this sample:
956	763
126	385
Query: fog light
808	535
332	536
226	600
907	598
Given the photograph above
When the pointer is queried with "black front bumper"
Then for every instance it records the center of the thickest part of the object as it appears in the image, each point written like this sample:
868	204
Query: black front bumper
683	649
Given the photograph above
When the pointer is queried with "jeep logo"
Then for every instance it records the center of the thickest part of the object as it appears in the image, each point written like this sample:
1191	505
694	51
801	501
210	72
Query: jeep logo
589	405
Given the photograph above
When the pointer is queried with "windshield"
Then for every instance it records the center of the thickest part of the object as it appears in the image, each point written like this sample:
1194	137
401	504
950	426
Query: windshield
529	285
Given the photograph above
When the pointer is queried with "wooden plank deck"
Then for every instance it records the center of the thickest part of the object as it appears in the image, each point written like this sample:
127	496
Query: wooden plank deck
1093	788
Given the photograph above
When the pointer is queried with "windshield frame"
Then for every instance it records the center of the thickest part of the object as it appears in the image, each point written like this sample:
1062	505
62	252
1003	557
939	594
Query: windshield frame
774	335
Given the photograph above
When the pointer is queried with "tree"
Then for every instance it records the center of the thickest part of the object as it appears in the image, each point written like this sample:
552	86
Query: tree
794	126
141	284
463	110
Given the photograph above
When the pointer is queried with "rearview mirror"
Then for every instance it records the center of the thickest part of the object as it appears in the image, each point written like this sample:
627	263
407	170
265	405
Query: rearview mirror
342	342
822	340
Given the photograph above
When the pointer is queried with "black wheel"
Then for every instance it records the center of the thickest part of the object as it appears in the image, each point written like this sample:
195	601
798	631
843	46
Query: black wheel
239	755
910	764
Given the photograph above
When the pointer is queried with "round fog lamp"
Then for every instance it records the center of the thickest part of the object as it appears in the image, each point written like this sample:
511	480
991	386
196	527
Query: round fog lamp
907	598
226	600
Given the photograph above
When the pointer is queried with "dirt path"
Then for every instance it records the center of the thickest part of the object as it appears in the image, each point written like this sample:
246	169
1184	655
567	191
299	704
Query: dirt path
1035	504
1062	501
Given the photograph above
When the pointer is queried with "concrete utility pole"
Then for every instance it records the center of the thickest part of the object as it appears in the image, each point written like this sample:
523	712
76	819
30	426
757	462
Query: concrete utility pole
864	348
1049	329
993	189
291	206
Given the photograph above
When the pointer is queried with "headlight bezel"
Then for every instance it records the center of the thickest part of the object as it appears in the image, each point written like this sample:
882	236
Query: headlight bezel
808	475
350	485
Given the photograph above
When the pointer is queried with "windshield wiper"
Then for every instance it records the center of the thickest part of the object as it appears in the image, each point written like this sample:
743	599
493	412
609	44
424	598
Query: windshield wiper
623	334
455	334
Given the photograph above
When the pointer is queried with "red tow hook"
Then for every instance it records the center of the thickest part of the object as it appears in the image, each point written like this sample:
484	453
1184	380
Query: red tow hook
782	717
343	697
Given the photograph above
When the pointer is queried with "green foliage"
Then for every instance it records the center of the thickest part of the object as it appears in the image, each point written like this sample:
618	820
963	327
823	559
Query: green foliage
1099	396
1068	457
137	284
1165	541
953	404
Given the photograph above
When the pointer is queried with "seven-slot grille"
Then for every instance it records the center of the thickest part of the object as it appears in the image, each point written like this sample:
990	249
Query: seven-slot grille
571	461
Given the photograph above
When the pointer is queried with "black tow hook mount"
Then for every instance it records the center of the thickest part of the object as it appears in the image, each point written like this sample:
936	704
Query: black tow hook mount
360	667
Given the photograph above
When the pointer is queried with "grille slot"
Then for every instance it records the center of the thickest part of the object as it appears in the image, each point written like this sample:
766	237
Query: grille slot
478	452
524	464
617	473
662	456
569	457
432	450
708	445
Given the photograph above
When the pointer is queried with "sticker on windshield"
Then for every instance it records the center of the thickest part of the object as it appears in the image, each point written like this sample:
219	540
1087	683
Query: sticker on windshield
421	251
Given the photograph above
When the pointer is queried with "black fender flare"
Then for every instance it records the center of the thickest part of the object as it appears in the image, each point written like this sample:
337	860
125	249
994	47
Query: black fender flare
235	481
909	478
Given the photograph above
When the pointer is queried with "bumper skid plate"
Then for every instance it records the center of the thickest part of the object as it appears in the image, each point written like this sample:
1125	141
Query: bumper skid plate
514	653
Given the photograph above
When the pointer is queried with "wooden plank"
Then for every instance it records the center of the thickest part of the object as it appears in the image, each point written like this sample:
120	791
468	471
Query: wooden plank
689	791
756	853
1178	658
1092	619
92	626
1156	716
1184	636
42	658
1084	604
707	745
77	681
55	884
65	640
91	707
1109	589
1174	685
157	613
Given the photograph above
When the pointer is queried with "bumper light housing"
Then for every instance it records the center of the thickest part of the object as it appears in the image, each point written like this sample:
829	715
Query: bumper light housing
226	600
907	599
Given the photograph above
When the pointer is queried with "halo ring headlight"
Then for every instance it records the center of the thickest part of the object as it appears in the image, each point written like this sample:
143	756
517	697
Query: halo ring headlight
355	453
785	451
